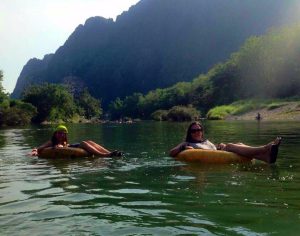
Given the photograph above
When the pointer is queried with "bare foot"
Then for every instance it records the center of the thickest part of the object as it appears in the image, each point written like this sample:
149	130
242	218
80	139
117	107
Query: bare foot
274	150
116	153
271	151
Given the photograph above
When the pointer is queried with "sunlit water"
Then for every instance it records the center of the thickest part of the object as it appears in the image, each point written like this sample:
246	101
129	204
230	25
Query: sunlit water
146	192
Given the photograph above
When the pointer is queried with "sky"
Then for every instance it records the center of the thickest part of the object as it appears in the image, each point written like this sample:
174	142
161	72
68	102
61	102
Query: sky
34	28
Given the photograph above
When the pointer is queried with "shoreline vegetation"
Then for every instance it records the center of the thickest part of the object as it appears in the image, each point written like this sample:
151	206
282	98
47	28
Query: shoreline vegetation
68	107
278	110
281	110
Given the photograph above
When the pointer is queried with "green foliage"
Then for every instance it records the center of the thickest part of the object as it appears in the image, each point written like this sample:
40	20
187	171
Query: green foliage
88	105
142	106
160	115
116	109
132	106
53	102
243	106
182	113
275	105
17	115
14	112
220	112
236	108
3	95
1	80
177	113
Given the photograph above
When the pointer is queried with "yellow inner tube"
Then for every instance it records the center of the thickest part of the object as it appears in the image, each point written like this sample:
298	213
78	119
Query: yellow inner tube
211	156
63	152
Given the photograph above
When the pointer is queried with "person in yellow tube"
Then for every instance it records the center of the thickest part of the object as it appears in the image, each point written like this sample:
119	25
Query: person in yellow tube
195	140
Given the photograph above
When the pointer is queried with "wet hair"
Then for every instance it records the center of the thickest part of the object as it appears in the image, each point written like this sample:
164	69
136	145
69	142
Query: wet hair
188	132
55	141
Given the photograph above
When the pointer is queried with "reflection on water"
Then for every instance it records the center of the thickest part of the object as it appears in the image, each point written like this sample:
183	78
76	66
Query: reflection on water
147	192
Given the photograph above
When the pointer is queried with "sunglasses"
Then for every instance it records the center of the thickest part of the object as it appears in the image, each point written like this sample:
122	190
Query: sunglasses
196	130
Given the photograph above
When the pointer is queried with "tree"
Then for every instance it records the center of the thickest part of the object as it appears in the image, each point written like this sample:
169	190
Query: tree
183	113
116	108
18	113
3	95
53	102
14	112
90	105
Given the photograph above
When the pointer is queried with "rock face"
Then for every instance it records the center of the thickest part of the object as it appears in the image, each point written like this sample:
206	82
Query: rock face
154	44
31	74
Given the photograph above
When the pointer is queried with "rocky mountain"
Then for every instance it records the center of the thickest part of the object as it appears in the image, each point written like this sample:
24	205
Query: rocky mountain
154	44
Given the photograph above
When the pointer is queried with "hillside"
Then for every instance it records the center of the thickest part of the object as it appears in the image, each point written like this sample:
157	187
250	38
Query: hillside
154	45
265	68
286	111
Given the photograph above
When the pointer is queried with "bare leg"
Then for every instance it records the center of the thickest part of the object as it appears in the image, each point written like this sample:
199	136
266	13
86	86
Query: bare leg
266	153
98	150
94	150
97	146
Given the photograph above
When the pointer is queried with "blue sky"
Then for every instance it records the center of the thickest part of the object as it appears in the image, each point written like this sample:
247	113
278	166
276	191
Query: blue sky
33	28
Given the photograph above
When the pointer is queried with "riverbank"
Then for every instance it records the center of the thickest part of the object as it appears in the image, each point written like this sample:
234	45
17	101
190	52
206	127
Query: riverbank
286	111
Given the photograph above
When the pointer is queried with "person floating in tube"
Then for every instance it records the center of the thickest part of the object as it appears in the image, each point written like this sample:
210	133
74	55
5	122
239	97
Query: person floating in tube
60	139
195	140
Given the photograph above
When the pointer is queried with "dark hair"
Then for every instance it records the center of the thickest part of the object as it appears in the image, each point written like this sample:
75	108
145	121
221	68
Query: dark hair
188	132
55	141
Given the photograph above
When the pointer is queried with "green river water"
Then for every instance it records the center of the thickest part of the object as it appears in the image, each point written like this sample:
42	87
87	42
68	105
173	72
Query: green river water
146	192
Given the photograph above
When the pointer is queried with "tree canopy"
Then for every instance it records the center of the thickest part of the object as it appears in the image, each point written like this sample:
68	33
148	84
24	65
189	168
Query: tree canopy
14	112
54	103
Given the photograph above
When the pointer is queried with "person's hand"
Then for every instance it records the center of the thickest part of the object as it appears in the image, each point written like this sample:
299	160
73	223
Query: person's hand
59	146
34	152
221	146
182	147
189	147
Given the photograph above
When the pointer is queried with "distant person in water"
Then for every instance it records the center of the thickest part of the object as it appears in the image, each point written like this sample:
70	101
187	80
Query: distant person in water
258	116
59	139
195	140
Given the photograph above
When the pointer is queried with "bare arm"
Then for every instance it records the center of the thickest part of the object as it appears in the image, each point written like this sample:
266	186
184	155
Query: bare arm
221	146
45	145
179	148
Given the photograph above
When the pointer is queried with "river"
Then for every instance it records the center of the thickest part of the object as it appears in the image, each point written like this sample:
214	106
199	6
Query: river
146	192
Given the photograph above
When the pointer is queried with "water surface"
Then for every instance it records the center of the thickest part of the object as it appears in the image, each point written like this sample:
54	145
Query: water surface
146	192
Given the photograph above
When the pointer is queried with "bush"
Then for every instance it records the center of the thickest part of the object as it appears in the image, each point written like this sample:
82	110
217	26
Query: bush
275	105
16	116
220	112
53	102
160	115
182	113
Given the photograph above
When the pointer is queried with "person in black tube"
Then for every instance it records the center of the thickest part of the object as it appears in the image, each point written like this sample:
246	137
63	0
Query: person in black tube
60	139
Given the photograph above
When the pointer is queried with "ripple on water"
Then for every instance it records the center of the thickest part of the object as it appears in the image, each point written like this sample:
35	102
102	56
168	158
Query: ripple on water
129	191
75	198
25	206
18	191
50	192
184	178
145	203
